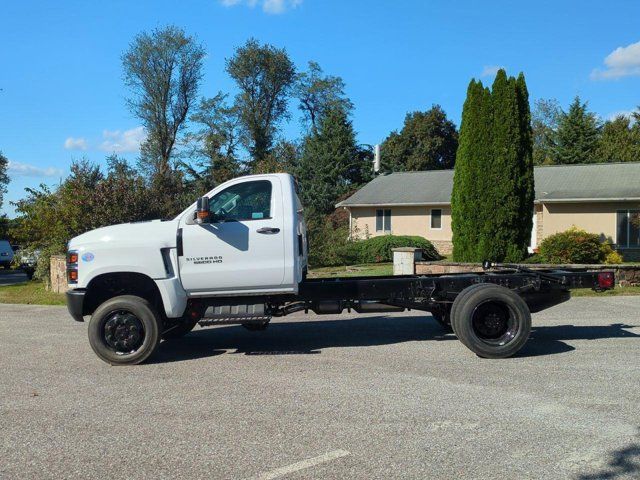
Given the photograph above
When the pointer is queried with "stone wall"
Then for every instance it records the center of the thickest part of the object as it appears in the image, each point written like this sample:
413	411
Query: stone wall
444	247
58	274
626	275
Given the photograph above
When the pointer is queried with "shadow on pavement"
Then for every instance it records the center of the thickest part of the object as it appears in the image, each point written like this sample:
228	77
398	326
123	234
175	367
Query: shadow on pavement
624	463
305	337
310	337
548	340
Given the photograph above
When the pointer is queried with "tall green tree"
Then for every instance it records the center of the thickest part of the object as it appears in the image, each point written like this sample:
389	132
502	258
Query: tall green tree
329	153
470	206
428	141
318	93
264	75
619	141
213	156
545	118
162	69
4	177
492	201
577	135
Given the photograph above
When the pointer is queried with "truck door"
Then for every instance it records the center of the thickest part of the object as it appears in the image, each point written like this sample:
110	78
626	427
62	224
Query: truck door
242	248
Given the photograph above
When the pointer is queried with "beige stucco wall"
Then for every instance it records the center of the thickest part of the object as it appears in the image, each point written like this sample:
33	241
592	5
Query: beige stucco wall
404	221
594	217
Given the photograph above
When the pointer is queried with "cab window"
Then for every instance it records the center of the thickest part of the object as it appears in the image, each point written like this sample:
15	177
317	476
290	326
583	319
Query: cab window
243	201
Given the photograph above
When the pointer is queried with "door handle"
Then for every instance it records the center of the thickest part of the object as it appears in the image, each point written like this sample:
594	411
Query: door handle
268	230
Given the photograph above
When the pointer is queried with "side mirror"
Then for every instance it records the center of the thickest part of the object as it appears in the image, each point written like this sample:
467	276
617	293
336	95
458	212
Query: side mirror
202	210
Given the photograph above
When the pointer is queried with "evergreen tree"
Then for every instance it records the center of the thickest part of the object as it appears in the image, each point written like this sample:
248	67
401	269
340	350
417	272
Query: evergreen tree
619	142
328	154
577	135
492	199
469	204
526	187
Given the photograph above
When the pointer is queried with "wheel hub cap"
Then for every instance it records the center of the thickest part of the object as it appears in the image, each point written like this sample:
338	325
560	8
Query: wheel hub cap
123	332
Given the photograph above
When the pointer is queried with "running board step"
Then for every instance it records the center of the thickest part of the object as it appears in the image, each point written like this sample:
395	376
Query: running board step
235	314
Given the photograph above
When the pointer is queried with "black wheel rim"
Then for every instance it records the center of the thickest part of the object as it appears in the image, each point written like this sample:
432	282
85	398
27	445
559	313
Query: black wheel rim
123	332
494	323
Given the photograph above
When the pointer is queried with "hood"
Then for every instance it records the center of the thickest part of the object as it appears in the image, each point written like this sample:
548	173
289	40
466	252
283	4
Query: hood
156	233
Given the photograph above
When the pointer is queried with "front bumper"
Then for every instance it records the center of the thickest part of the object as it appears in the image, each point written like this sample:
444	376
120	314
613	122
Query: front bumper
75	304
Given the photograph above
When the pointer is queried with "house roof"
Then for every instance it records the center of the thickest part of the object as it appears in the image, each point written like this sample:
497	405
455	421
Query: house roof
555	183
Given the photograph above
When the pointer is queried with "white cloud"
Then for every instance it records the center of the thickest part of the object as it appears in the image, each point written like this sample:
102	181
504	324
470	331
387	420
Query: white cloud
616	114
26	170
272	7
118	141
75	143
622	62
490	70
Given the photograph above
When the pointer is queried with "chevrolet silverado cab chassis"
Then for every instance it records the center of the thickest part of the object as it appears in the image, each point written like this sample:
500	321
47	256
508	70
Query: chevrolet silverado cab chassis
239	256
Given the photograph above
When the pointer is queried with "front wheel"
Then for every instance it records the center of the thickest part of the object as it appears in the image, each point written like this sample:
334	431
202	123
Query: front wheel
125	330
492	321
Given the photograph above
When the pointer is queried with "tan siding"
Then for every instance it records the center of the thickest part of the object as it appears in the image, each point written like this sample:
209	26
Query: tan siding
594	217
404	221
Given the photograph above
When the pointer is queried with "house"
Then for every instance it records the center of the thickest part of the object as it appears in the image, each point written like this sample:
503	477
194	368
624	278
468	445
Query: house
599	198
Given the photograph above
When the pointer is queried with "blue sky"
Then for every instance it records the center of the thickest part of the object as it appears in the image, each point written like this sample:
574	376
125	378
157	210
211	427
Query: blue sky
62	95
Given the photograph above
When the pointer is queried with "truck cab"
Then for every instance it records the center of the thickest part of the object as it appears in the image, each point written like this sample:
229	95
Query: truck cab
251	242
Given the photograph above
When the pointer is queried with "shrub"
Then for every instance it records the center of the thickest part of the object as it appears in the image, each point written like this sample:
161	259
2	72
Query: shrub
328	243
611	257
572	246
379	249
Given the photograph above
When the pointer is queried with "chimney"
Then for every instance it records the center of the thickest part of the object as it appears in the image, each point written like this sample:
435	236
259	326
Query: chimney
376	159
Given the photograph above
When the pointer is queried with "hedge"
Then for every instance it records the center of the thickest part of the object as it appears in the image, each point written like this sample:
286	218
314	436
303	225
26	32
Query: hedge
379	249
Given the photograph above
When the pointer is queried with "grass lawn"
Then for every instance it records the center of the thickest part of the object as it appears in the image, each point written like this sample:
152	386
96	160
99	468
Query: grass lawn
32	293
364	270
618	291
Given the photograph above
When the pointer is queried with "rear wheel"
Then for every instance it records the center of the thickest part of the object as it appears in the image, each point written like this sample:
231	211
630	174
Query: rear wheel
125	330
492	321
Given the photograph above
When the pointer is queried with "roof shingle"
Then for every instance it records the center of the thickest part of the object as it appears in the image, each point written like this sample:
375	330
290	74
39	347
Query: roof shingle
589	182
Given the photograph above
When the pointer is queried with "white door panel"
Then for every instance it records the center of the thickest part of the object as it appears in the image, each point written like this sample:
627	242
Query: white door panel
244	254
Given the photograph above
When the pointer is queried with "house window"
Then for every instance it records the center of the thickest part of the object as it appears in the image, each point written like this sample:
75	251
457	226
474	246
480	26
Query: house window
628	229
383	220
436	219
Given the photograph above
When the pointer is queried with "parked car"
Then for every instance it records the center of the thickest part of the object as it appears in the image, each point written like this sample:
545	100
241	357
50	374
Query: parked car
6	254
26	259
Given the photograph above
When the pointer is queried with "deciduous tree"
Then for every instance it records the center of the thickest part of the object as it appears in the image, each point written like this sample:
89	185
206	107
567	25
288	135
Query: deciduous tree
428	141
264	75
318	92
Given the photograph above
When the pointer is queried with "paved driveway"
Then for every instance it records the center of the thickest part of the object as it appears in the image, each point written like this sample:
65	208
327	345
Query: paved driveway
11	277
357	397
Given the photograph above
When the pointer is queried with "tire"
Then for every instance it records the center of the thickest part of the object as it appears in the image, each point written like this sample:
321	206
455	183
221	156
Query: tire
180	330
491	321
125	330
460	298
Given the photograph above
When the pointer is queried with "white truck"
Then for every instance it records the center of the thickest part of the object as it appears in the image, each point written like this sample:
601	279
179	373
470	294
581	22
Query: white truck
238	255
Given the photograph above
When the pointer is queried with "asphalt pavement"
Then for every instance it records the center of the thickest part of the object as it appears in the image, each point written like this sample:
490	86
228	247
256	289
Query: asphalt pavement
11	277
336	397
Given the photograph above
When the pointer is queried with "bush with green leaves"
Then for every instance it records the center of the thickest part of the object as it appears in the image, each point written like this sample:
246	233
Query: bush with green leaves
572	246
379	249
